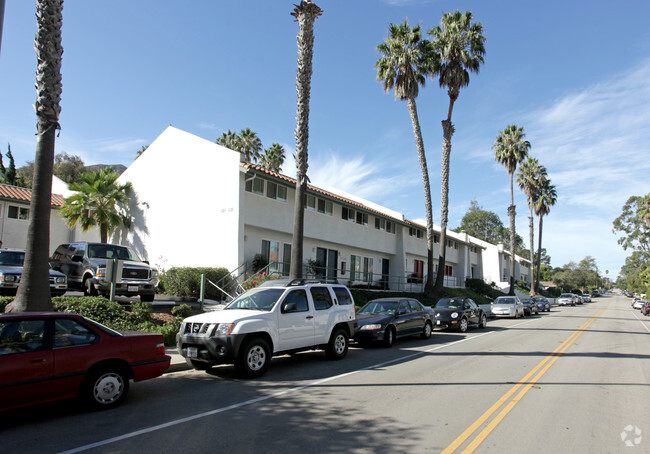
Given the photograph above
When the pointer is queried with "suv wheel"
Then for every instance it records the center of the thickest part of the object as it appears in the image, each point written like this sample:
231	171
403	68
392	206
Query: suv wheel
337	347
254	358
89	288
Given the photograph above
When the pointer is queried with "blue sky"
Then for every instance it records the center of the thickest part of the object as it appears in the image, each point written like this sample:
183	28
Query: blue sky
574	74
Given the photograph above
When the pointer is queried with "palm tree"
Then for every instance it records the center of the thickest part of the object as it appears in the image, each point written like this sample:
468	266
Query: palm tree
461	47
529	178
406	61
250	145
34	290
96	203
546	198
230	140
510	149
273	158
305	14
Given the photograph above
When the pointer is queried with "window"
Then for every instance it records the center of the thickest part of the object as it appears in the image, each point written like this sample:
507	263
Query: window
69	333
367	269
21	336
271	190
14	212
295	301
418	269
258	186
347	214
416	232
325	206
355	268
282	193
362	218
271	253
436	238
448	270
322	298
380	224
390	227
342	295
311	203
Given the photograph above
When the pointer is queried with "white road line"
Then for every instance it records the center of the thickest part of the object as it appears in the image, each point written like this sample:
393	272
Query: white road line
643	322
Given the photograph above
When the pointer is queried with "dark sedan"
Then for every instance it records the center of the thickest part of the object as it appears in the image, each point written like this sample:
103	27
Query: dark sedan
386	319
51	355
530	306
459	312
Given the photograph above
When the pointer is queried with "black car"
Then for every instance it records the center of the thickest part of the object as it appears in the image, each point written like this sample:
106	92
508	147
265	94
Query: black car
530	306
459	312
386	319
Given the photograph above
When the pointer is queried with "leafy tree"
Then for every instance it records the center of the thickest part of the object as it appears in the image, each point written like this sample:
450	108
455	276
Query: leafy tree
34	290
546	198
529	179
69	168
510	149
460	47
305	14
406	60
629	276
26	174
10	174
481	224
96	203
633	224
273	158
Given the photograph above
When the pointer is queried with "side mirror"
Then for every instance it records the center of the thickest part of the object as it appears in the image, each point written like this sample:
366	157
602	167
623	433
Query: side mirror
289	307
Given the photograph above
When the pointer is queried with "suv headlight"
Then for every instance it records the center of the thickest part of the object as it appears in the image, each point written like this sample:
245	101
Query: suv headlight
60	280
101	273
154	273
224	329
9	278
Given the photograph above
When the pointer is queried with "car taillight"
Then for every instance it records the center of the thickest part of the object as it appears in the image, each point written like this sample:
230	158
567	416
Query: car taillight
160	348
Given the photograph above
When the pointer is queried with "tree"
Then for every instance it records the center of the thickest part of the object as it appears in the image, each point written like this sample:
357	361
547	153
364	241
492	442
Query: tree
250	145
230	140
633	224
461	47
273	158
546	198
529	180
26	174
69	168
34	290
9	174
305	14
481	224
406	60
140	151
510	149
96	203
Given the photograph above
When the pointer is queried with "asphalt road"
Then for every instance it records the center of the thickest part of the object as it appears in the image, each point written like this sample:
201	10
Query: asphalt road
575	380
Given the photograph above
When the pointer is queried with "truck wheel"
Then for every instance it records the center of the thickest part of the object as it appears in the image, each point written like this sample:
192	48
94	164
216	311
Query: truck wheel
147	298
254	358
337	347
89	287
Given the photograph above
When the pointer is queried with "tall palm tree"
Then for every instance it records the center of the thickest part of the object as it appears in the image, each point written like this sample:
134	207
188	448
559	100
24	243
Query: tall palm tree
529	178
230	140
250	145
406	61
510	149
305	14
273	158
546	198
461	47
34	290
96	203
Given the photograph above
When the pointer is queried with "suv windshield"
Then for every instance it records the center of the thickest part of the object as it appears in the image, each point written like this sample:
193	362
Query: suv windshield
12	258
257	300
111	251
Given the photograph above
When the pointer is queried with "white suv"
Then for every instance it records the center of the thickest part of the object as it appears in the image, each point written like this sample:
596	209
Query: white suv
280	316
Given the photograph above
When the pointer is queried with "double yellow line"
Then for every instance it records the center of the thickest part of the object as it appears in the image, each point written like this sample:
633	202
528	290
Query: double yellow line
526	383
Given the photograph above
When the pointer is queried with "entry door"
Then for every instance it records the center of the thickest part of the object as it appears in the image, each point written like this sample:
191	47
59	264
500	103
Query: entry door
332	262
385	272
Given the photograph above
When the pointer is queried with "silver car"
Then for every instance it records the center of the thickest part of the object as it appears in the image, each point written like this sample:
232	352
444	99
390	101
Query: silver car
566	299
11	270
507	306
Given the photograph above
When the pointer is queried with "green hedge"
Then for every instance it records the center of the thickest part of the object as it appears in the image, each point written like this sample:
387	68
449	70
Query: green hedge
186	282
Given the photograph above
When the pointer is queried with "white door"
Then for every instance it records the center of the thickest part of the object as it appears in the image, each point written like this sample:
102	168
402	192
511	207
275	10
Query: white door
296	321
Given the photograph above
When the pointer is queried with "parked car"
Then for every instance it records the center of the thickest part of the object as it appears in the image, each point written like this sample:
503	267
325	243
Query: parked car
543	305
638	304
530	306
507	306
645	310
586	298
595	294
53	355
566	299
85	265
11	270
459	312
386	319
280	316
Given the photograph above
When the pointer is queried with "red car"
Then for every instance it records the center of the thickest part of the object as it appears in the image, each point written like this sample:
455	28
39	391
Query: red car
51	355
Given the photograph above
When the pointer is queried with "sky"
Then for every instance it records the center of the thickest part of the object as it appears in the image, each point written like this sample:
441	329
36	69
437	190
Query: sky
574	74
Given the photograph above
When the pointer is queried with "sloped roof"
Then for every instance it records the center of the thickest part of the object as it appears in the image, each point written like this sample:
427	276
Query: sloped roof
25	195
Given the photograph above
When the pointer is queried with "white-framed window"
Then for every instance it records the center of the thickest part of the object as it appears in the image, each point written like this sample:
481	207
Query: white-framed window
311	202
362	218
380	224
347	214
355	267
390	227
276	191
367	269
15	212
324	206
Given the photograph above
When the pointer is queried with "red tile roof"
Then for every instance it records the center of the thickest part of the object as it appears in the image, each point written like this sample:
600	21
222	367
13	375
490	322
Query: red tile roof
25	195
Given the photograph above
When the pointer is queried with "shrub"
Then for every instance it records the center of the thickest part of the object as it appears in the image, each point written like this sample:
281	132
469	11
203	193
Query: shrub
141	312
186	282
482	288
98	308
182	311
257	279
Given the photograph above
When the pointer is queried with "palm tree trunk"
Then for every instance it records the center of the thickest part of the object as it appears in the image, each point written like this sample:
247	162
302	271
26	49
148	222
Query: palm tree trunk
412	107
305	14
34	290
447	132
532	251
511	214
539	252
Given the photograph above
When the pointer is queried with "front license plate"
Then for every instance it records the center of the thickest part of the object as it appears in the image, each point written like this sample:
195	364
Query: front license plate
132	288
437	322
192	352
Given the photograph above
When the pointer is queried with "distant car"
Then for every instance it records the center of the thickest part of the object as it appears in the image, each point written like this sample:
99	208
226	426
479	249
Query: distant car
459	312
530	306
11	270
51	355
507	306
566	299
638	304
586	298
645	310
386	319
595	294
543	304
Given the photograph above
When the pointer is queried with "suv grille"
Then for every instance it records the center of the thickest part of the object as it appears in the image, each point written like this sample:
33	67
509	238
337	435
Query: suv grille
196	328
135	273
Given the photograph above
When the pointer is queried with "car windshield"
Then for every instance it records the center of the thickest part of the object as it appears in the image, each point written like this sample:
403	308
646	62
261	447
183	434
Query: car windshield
379	307
111	251
450	303
12	258
257	300
504	301
566	295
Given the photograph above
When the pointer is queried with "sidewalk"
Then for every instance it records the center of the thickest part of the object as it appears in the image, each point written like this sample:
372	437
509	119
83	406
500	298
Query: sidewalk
178	363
